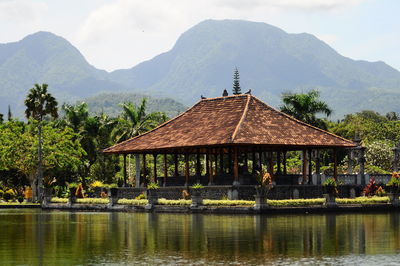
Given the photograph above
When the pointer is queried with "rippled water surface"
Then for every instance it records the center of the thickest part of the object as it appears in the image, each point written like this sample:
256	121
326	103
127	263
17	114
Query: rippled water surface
35	237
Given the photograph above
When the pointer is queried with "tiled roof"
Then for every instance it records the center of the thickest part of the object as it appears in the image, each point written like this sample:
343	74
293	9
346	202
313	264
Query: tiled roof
232	120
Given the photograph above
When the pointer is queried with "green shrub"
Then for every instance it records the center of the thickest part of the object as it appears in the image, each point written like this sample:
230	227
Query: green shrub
132	202
9	195
59	200
197	186
141	196
92	201
228	202
73	185
153	185
180	202
96	184
296	202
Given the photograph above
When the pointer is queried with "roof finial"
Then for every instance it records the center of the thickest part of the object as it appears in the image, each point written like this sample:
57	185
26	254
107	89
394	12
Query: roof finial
225	93
248	92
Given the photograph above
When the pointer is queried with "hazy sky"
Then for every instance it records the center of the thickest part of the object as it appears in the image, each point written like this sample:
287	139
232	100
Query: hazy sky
114	34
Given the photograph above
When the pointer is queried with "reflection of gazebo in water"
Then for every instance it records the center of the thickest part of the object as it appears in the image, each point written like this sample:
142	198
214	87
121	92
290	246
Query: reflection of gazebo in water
227	135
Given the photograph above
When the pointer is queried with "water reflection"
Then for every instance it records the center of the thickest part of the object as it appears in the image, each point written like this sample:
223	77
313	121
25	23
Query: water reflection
36	237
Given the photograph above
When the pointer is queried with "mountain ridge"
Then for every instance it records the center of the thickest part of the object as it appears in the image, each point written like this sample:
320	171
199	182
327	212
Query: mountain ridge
201	62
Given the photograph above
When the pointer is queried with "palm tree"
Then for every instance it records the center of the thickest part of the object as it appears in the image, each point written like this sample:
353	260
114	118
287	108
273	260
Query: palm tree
305	107
40	103
134	121
76	115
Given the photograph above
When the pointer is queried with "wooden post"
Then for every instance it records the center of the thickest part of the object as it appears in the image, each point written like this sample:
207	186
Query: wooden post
186	169
165	170
304	166
278	161
335	164
221	162
198	167
125	173
216	163
229	161
253	170
207	164
271	165
309	167
260	160
317	167
137	162
144	170
210	170
176	165
246	164
155	167
235	167
284	163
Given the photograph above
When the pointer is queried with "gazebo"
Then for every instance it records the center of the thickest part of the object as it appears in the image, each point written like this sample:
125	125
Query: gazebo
226	135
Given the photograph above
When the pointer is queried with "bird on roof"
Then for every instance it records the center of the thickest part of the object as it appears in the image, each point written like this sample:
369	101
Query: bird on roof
202	97
225	93
248	92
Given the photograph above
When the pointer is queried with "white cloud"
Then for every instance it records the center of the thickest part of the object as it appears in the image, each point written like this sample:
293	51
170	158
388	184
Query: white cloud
21	11
131	31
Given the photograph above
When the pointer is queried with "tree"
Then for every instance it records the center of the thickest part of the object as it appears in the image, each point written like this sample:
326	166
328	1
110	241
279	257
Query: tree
76	115
1	118
236	83
305	107
9	114
134	121
40	103
18	150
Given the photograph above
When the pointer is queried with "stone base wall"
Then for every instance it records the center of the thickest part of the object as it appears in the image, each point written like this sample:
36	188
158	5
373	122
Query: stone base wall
246	192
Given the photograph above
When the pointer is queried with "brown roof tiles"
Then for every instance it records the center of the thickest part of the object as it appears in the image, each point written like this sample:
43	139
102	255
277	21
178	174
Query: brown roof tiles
232	120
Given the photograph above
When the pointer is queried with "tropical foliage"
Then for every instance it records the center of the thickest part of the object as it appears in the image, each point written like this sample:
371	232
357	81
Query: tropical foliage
306	107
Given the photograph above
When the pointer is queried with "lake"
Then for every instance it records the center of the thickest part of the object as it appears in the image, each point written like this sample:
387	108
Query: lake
35	237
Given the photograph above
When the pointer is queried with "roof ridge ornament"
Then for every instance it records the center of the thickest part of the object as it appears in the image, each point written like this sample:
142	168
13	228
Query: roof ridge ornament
225	93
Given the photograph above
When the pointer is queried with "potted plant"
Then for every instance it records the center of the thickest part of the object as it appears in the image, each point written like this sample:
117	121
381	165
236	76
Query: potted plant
152	195
393	188
265	185
112	194
195	191
331	192
48	183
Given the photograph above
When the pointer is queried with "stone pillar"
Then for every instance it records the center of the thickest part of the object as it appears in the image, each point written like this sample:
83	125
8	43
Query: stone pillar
350	162
361	161
137	164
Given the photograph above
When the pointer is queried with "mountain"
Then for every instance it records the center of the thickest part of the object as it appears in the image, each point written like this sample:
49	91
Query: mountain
46	58
202	62
270	62
109	103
